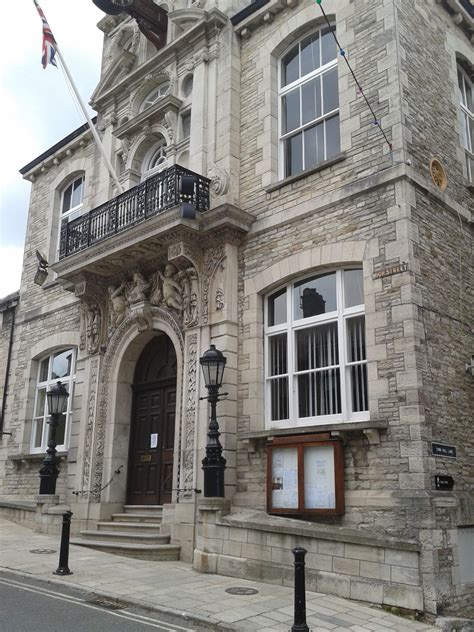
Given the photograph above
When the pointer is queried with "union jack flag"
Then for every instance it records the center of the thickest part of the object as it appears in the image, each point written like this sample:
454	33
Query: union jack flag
49	43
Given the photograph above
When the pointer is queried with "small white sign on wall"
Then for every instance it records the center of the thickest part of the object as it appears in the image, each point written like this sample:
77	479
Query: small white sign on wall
466	554
154	440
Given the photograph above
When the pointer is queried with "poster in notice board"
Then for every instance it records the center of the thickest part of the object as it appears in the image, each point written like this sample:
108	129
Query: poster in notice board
285	478
319	477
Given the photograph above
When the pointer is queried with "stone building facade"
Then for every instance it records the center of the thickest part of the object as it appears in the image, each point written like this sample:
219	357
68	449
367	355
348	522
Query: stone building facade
331	266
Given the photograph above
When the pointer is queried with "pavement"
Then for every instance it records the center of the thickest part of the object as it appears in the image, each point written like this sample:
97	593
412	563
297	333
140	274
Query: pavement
176	589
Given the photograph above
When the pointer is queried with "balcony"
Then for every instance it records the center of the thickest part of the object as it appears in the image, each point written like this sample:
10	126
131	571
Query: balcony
149	199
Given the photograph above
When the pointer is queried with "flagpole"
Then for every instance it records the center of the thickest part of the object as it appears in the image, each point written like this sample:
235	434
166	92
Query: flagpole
108	164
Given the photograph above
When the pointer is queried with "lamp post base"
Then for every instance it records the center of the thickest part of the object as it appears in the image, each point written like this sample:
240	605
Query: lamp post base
213	478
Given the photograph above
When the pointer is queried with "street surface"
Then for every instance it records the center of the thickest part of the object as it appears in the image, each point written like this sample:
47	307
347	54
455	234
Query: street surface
30	606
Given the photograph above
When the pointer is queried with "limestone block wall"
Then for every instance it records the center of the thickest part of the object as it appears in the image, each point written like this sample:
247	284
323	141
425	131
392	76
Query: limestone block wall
339	562
430	107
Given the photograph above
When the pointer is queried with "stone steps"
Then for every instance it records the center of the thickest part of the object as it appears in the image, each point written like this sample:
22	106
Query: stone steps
154	552
134	533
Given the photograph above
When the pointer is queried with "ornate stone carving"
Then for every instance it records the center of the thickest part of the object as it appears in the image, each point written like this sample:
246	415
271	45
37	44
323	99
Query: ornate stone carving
220	299
187	458
91	413
103	388
219	178
214	257
137	288
92	316
118	304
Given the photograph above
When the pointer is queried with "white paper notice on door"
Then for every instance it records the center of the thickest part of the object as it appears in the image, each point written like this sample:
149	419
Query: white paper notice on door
319	478
154	440
285	478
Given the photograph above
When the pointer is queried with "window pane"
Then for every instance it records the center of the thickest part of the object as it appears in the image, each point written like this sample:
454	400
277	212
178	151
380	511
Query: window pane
464	128
330	91
43	372
319	477
328	47
310	55
279	399
60	430
291	111
285	478
315	296
62	363
293	155
311	100
319	393
37	432
356	339
313	145
278	364
333	146
40	401
67	199
359	398
277	308
186	121
353	288
317	347
77	192
290	66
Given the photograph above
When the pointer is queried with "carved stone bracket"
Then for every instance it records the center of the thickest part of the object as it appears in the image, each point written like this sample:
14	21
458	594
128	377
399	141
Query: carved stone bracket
219	178
213	258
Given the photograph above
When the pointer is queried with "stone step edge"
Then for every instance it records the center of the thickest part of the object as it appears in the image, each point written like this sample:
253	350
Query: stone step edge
127	546
128	516
154	508
131	525
120	534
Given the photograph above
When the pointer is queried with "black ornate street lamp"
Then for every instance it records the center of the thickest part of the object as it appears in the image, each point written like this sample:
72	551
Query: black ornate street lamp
213	364
57	404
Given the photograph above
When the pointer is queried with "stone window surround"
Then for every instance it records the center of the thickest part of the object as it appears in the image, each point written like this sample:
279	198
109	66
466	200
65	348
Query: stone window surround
49	344
290	327
70	171
288	88
311	260
301	22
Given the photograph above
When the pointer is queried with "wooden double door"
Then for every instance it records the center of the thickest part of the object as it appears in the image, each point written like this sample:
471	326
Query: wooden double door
150	468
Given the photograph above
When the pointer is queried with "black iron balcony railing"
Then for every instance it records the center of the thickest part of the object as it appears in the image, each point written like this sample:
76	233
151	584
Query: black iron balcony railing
155	195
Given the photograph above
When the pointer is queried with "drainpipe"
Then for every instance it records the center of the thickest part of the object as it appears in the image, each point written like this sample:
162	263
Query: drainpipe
11	305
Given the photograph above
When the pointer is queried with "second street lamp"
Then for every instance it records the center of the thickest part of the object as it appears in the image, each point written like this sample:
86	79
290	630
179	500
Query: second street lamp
57	404
213	364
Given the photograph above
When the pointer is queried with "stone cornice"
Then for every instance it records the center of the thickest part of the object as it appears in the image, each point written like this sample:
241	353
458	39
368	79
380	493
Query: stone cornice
264	15
165	104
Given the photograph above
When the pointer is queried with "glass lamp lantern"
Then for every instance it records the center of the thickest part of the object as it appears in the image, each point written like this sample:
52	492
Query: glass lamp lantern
57	399
213	364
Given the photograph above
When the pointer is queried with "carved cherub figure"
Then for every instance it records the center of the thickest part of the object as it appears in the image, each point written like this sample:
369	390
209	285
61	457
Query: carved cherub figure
118	303
138	287
172	291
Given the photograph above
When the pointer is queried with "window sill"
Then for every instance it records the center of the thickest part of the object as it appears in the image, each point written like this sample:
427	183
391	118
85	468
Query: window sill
369	428
30	460
304	174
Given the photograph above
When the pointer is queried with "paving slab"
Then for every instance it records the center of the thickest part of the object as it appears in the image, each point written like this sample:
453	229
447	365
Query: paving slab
174	587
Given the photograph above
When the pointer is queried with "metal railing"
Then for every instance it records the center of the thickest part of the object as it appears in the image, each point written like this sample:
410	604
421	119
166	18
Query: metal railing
157	194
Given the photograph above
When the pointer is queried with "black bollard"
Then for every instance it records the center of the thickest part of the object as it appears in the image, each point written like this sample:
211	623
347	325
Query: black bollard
63	568
299	624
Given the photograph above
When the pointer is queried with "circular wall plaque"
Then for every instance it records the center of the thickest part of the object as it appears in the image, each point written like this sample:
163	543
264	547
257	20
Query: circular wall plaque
438	174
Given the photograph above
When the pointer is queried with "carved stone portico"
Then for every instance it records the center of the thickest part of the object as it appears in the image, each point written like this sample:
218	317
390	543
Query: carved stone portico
184	288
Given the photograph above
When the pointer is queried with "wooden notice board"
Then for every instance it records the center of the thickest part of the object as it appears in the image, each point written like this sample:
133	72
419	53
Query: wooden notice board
305	475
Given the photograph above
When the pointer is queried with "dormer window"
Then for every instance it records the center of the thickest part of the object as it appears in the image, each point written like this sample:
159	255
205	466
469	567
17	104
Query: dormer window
154	95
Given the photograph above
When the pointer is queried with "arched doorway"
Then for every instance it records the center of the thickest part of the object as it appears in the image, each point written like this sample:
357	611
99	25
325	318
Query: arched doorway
150	470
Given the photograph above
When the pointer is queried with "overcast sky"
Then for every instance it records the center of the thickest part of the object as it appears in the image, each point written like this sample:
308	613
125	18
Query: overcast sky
37	109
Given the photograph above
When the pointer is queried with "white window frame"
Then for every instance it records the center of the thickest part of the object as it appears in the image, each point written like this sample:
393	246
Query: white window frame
284	90
161	90
147	170
466	114
68	382
72	213
290	327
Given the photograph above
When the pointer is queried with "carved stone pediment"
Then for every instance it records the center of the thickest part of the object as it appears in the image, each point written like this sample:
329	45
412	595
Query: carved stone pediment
117	71
186	18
